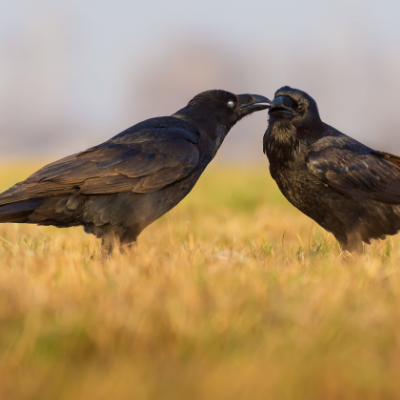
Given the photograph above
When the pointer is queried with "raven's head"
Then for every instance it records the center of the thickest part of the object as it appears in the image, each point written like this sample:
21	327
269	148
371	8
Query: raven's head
221	108
295	106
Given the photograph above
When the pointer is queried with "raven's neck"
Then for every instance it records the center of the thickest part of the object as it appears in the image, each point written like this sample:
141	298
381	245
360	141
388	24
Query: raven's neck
280	142
212	133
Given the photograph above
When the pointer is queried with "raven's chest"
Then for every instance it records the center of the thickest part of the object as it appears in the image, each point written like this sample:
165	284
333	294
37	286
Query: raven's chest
287	162
289	170
293	181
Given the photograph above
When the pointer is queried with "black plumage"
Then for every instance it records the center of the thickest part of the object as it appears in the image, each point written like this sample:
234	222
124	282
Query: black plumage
348	188
119	187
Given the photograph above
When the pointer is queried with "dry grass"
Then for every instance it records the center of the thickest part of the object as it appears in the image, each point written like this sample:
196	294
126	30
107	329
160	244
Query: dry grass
232	295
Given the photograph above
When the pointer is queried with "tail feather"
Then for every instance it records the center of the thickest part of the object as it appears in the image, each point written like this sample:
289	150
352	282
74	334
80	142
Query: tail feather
19	211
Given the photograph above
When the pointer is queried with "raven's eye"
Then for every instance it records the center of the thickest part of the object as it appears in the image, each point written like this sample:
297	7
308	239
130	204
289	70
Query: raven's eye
300	107
231	104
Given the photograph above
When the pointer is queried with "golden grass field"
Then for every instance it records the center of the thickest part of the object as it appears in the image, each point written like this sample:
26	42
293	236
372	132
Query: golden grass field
232	295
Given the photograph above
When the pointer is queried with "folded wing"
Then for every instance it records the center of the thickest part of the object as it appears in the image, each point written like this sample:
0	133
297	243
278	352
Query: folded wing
373	176
137	166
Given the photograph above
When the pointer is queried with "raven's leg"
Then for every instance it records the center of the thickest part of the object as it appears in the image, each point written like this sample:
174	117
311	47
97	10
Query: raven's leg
128	240
108	242
353	244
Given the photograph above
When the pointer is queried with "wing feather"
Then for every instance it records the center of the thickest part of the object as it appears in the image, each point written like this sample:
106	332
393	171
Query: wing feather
140	167
361	176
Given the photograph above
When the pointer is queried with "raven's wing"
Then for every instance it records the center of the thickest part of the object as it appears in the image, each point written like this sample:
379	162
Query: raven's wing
374	175
139	166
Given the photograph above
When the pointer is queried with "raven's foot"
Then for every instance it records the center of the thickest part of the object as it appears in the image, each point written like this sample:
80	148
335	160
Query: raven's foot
127	247
353	245
345	255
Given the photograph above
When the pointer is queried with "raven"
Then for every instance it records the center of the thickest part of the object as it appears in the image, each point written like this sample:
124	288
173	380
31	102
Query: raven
119	187
348	188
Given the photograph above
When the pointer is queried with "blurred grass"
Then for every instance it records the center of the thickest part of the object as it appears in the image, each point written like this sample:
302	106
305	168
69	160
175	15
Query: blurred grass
232	295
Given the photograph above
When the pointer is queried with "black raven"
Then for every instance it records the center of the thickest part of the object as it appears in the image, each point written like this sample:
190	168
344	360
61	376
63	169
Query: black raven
119	187
348	188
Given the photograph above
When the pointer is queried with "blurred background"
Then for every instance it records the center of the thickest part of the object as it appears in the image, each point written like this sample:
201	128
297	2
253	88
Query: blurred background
74	73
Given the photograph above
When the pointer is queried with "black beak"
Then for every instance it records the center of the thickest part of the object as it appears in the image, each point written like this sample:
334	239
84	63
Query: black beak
283	103
249	103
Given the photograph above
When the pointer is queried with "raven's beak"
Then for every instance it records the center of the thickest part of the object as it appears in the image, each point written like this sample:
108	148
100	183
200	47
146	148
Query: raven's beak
249	103
284	103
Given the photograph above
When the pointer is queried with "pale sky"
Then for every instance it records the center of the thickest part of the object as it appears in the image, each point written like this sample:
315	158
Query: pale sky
74	73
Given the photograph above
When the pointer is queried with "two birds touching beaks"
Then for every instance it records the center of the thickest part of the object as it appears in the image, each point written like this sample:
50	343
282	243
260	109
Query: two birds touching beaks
116	189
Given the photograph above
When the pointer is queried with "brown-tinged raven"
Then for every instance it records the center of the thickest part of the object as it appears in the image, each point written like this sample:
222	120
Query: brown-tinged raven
119	187
348	188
